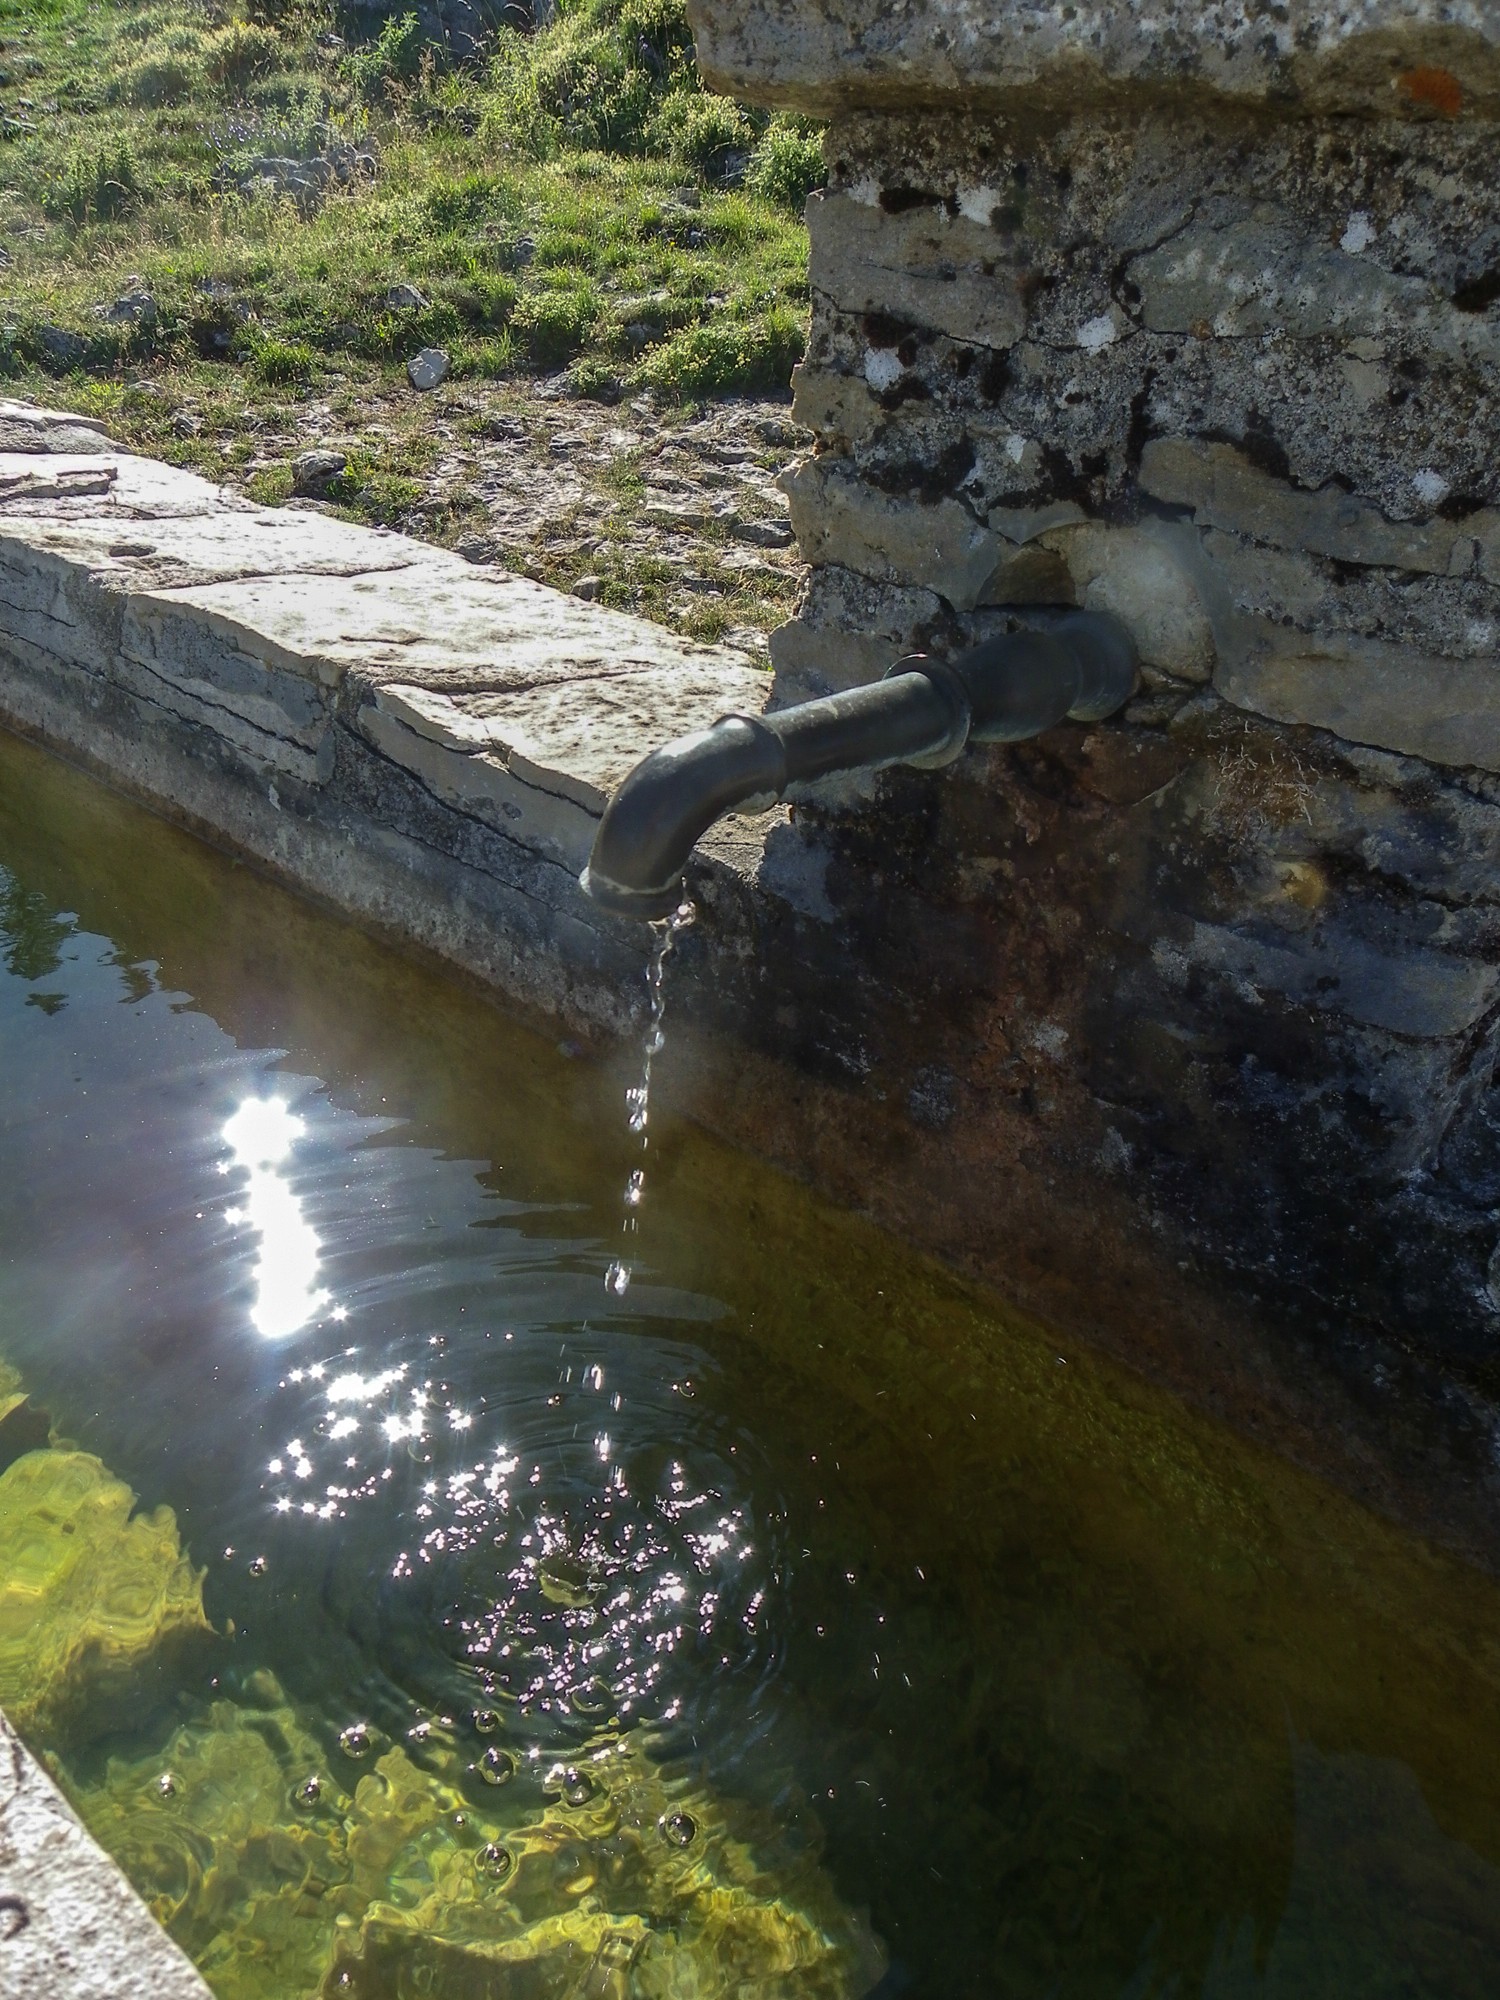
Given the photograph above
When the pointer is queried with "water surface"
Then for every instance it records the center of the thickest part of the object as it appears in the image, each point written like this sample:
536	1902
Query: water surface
1008	1676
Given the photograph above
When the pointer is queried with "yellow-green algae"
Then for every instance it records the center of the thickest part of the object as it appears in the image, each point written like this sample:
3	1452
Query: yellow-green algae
91	1593
391	1883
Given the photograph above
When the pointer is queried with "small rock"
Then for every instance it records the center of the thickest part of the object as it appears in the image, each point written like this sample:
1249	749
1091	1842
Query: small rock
475	548
405	298
746	639
778	431
588	588
740	562
186	424
523	252
59	345
674	514
764	534
132	308
313	472
427	369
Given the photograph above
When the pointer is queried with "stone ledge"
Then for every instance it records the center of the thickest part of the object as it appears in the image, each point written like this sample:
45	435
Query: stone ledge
237	664
1410	58
71	1927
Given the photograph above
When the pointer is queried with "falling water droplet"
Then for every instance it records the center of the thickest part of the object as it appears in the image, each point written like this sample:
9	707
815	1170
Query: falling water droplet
355	1740
635	1188
494	1861
308	1793
617	1279
496	1766
166	1785
679	1829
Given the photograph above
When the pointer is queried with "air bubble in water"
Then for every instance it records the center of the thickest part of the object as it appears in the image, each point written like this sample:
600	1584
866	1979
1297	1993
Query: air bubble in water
494	1861
166	1785
307	1794
496	1766
486	1721
679	1829
574	1788
355	1740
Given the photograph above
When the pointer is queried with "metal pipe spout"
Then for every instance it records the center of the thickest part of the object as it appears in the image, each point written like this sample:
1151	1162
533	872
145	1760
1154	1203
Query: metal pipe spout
1078	664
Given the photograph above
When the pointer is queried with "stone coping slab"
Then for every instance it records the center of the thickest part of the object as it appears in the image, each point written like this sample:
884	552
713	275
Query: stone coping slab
505	700
71	1927
1418	58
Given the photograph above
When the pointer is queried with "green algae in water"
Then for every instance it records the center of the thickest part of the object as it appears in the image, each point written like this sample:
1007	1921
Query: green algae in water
93	1596
1077	1694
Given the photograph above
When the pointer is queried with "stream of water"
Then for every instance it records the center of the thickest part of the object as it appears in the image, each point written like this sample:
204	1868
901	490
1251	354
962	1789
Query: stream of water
664	936
787	1622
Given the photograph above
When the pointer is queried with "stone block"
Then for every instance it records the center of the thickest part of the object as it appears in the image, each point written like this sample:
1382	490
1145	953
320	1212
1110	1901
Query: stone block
1423	994
849	631
1408	58
1226	491
538	763
1457	618
937	546
923	265
275	713
1266	274
178	551
71	1927
1445	710
100	485
834	406
1144	575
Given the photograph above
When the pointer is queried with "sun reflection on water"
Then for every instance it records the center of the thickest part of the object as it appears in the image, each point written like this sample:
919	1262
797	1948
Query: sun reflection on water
559	1576
260	1136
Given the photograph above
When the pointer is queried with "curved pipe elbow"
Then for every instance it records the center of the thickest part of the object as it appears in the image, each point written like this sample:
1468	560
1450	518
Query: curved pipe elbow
667	804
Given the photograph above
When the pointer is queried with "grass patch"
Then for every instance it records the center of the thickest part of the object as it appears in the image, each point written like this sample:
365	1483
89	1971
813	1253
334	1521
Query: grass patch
304	208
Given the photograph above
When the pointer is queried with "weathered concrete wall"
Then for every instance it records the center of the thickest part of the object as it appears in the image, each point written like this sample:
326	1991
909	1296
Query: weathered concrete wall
1200	324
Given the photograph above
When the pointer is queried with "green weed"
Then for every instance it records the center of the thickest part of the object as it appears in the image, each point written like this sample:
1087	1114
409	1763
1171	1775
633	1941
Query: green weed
787	164
99	185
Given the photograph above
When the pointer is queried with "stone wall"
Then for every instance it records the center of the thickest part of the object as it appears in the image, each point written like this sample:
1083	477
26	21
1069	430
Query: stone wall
1201	325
